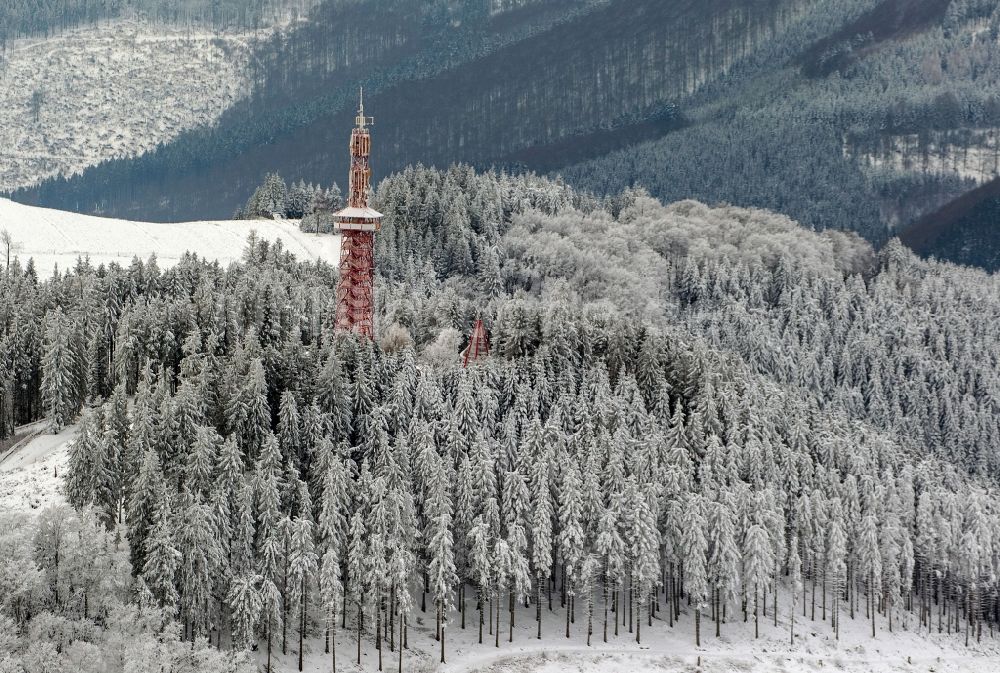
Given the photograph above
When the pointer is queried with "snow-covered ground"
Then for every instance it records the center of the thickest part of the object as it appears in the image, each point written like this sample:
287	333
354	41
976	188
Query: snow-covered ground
662	648
56	237
31	472
978	160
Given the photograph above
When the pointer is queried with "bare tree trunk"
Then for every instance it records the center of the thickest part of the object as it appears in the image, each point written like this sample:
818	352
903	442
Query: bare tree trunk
378	629
482	604
402	620
538	605
871	599
269	645
361	617
605	591
302	621
756	612
513	602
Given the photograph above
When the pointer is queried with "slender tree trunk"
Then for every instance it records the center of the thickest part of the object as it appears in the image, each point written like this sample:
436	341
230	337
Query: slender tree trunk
302	621
791	616
590	617
361	617
567	602
638	617
443	627
378	629
756	612
392	620
538	605
697	627
269	645
605	591
617	611
402	620
284	604
836	616
774	592
511	605
718	614
871	599
812	613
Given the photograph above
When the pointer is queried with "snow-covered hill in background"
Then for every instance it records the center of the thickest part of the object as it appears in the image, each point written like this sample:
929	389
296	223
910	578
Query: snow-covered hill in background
55	237
109	91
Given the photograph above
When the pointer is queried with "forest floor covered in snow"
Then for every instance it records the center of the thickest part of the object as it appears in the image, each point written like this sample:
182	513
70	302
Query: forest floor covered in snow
53	237
662	649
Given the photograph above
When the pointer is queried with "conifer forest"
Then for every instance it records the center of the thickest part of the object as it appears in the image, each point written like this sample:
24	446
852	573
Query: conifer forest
701	419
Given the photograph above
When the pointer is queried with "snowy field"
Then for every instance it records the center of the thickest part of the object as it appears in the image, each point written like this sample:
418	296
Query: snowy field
56	237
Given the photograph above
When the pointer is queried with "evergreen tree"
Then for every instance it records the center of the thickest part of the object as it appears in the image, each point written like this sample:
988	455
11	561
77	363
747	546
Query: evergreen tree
60	390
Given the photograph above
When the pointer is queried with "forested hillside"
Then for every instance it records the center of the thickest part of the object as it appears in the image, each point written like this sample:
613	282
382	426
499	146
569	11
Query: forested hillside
861	115
689	414
112	91
32	18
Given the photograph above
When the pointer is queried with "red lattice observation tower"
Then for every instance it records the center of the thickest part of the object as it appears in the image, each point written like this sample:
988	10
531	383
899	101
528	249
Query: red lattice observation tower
357	224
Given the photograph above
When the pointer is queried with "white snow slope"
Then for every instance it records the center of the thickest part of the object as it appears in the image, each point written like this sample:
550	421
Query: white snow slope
111	90
57	237
31	471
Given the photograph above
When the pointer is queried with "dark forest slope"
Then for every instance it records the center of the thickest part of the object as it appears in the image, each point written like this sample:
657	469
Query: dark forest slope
584	77
849	114
964	230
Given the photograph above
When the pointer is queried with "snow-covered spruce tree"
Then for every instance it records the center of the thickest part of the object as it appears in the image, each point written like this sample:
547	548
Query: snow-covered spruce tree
870	560
794	584
758	564
540	519
724	563
302	568
440	552
332	597
163	561
571	540
695	561
246	603
611	548
60	368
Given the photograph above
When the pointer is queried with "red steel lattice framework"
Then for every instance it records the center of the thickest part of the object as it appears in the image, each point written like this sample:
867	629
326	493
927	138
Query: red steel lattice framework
357	224
479	344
